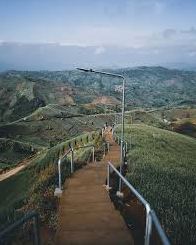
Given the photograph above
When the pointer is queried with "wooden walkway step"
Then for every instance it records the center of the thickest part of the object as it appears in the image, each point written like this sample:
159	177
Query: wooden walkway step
86	213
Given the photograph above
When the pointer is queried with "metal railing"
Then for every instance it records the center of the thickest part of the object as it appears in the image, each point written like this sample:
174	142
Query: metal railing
58	191
151	218
87	146
30	216
118	140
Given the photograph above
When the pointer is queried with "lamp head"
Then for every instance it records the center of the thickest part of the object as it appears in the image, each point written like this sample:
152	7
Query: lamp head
85	70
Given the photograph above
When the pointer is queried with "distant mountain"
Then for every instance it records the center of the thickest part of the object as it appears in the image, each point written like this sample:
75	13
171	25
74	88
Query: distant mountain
57	56
22	92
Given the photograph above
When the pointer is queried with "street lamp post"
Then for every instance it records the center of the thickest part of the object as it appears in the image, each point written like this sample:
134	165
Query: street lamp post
123	110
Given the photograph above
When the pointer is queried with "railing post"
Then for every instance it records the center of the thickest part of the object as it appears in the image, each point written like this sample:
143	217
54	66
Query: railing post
148	226
104	149
108	144
150	214
36	230
121	165
72	159
93	153
108	177
59	170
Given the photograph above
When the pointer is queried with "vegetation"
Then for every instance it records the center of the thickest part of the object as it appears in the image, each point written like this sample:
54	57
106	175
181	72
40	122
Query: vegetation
185	126
21	93
13	152
161	165
33	188
43	112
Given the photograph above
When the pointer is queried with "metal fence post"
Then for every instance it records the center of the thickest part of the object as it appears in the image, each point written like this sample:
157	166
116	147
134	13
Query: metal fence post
72	156
104	149
121	165
93	153
108	146
150	214
108	177
148	226
59	170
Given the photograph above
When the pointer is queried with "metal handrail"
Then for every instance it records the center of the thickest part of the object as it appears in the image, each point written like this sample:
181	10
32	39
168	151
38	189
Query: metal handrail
58	191
125	145
32	215
59	165
150	214
86	146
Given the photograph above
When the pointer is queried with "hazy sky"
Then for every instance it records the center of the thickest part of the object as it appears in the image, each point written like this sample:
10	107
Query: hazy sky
122	32
133	23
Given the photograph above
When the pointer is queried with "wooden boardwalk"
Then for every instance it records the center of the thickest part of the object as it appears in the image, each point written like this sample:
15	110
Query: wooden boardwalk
86	213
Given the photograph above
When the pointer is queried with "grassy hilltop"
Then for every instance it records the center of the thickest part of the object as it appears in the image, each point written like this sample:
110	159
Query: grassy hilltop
161	165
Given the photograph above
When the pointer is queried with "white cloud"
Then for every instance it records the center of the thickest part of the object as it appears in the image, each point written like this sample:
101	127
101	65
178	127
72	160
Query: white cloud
192	54
168	33
191	31
99	50
1	42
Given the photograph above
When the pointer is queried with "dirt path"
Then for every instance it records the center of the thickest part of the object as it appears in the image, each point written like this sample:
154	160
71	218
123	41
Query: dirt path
17	169
86	213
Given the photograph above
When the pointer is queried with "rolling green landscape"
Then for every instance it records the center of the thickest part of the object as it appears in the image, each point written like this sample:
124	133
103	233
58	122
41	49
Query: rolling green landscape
21	93
98	122
42	113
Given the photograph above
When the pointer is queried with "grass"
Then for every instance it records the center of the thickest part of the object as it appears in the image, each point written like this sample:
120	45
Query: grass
33	188
13	152
56	126
161	165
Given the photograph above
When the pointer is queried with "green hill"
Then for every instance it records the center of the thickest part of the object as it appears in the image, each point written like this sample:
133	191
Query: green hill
22	92
161	165
33	187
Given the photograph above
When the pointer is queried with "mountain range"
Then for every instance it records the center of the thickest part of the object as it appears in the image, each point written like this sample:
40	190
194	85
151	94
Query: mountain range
22	92
59	56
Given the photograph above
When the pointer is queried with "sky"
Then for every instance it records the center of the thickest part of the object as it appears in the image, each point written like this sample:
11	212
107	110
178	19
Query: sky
144	25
